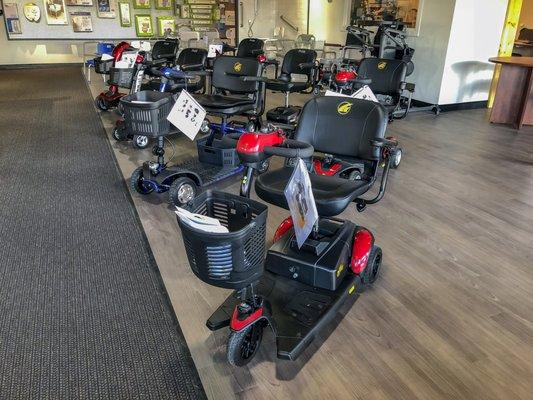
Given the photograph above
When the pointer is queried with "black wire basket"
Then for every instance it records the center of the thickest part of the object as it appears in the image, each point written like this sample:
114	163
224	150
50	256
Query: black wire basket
145	113
103	66
122	77
229	260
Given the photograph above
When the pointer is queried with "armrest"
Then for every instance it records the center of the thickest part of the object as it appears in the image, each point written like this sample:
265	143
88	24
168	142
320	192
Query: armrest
257	52
199	73
307	65
254	78
387	143
188	67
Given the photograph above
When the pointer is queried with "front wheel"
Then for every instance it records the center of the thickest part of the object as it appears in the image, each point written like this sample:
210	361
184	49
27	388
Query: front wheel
137	182
397	158
119	133
140	141
371	272
243	345
182	191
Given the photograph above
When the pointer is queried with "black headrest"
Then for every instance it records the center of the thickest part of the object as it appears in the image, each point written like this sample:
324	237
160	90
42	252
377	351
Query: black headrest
387	75
192	56
342	126
250	47
227	73
165	49
293	58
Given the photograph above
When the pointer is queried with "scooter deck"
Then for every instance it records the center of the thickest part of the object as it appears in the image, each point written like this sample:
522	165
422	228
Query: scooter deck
298	311
208	173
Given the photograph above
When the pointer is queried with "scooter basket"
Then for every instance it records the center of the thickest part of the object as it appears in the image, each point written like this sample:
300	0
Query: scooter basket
103	66
215	154
122	77
229	260
145	113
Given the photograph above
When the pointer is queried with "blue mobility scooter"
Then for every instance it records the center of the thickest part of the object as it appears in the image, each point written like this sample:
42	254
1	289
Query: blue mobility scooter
233	94
296	292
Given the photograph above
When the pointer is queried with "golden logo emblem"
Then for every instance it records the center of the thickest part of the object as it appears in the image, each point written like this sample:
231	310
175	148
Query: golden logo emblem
382	65
237	67
344	108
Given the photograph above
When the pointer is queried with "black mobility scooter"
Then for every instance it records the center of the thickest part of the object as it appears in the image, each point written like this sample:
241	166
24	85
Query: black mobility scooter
296	292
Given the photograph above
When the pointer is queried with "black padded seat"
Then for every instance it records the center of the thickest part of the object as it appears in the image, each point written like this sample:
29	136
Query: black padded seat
173	87
332	194
280	86
296	61
230	104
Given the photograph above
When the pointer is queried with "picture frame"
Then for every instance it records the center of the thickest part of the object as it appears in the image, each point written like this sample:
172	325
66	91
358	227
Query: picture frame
166	26
163	4
142	4
81	21
79	3
185	12
12	18
124	13
56	13
106	8
143	25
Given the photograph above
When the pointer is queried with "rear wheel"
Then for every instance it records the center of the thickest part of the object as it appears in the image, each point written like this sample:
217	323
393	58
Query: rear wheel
101	103
140	141
371	272
396	158
119	133
182	191
137	182
243	345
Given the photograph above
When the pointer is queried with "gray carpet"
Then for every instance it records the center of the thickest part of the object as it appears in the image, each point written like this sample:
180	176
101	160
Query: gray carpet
83	311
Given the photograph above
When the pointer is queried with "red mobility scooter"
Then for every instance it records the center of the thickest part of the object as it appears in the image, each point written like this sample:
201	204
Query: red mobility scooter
295	291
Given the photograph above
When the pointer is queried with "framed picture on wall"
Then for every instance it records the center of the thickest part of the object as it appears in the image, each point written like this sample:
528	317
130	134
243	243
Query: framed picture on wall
124	13
184	11
142	4
166	26
79	3
55	12
11	14
143	25
163	4
106	8
81	21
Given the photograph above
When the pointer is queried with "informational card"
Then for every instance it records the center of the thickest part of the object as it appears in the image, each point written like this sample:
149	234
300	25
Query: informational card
365	93
187	115
214	49
301	201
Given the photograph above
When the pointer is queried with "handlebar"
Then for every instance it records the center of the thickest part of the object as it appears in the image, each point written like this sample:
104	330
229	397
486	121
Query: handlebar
291	149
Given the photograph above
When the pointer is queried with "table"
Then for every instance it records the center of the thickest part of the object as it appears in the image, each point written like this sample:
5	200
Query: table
513	103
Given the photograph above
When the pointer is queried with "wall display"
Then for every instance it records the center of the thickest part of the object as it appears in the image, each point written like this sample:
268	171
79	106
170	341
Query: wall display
163	4
375	11
32	12
124	14
79	2
184	11
106	9
11	14
143	25
166	26
55	12
81	21
142	4
201	1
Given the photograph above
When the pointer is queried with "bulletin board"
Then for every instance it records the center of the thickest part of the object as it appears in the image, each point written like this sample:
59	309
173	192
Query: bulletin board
102	28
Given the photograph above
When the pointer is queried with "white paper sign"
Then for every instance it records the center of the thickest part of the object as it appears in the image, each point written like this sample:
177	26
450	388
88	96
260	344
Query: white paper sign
301	201
365	93
214	49
187	115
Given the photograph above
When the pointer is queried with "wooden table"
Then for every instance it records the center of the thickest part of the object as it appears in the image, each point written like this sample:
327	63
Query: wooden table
514	95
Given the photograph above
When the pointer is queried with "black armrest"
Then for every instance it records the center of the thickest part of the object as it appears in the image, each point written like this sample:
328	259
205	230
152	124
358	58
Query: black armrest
390	144
199	73
257	52
189	67
254	78
307	65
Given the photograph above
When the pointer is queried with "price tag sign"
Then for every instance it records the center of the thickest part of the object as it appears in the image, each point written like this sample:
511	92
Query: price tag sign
187	115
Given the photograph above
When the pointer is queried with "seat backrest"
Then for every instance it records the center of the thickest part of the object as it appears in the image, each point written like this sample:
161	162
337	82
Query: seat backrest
306	41
228	70
192	56
387	75
342	126
293	59
250	47
165	50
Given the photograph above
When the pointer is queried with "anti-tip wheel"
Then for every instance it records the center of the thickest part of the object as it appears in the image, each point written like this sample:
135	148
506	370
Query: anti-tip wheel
141	141
182	191
243	345
137	184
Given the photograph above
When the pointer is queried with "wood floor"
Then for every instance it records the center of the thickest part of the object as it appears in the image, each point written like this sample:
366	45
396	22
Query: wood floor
451	316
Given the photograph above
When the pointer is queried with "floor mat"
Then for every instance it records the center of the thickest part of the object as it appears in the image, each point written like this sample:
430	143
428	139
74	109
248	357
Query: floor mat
83	311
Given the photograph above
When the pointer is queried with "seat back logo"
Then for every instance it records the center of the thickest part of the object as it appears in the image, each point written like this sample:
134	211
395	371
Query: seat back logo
344	108
237	67
382	65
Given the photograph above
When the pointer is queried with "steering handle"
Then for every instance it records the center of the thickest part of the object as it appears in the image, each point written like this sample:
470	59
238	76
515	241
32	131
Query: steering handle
291	149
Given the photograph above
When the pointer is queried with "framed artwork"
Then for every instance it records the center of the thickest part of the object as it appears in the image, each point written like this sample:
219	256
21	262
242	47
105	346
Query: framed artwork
55	12
143	25
124	12
166	26
142	4
79	3
163	4
184	11
11	14
106	8
32	12
81	21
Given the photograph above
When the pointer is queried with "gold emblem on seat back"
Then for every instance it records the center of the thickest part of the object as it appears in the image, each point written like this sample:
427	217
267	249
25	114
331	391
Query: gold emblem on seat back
382	65
237	67
344	108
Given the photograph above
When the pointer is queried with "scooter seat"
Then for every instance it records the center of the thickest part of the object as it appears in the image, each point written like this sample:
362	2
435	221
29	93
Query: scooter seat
278	85
172	87
225	103
332	194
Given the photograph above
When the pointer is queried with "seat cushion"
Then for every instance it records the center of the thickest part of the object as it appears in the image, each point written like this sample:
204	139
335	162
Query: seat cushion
332	194
283	86
219	101
172	87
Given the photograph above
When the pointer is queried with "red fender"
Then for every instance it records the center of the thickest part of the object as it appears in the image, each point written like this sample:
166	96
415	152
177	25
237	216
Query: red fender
362	246
283	228
317	164
237	325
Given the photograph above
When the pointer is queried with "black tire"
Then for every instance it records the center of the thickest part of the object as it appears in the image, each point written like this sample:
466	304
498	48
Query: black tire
264	166
182	191
119	133
251	126
436	110
141	141
396	158
101	103
136	182
371	272
243	345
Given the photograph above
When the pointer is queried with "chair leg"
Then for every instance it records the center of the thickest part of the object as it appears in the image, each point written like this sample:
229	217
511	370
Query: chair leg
286	99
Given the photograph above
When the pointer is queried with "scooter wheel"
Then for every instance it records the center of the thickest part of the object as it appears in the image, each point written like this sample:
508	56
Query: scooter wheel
243	345
182	191
141	141
101	104
119	133
371	272
136	182
397	158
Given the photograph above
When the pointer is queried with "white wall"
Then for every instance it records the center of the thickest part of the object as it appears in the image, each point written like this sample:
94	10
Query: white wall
474	38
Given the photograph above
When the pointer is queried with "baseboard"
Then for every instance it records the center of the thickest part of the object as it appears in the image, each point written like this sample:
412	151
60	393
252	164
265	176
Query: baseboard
25	66
472	105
